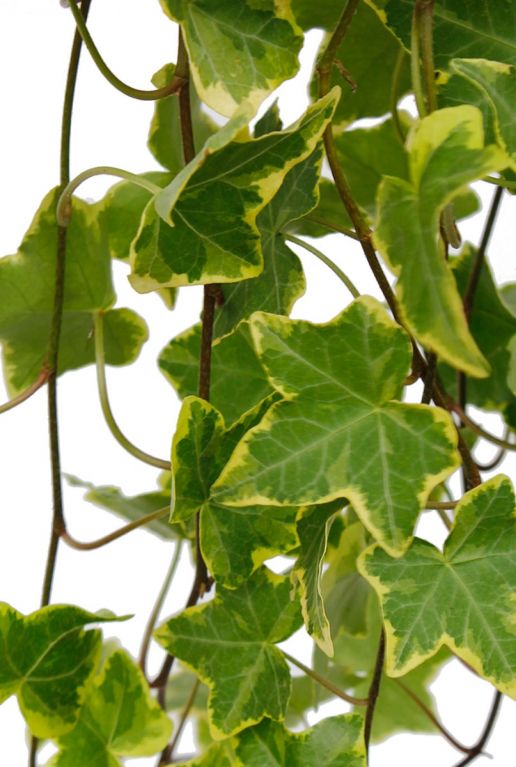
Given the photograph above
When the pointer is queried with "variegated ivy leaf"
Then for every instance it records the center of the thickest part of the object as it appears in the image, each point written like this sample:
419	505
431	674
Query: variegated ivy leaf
164	140
322	15
497	83
475	29
47	660
313	526
462	597
27	299
239	50
334	742
338	432
202	227
230	644
119	719
493	327
233	358
234	541
407	232
282	281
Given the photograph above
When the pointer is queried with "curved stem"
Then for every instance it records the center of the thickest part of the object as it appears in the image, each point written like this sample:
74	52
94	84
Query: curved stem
325	682
153	617
476	429
97	544
477	749
64	204
374	690
168	753
329	263
136	93
395	85
497	458
159	463
40	381
431	716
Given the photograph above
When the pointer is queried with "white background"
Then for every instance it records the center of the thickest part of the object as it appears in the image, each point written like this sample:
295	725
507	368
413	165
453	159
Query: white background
109	128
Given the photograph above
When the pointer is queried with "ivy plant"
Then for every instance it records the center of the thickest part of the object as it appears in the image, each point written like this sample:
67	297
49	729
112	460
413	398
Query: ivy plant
304	454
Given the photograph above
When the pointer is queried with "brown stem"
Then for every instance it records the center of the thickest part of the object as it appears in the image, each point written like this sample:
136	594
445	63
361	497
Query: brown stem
496	459
477	429
477	749
166	756
97	544
429	378
374	690
55	334
431	716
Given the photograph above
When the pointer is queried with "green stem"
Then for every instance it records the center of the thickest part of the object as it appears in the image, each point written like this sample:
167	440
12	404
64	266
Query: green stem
329	263
173	86
425	13
325	682
40	381
441	505
415	63
395	87
500	182
159	463
153	617
64	205
97	544
374	690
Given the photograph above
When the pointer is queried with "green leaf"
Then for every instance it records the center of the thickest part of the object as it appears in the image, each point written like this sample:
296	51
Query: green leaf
334	742
370	67
218	755
269	122
497	83
202	227
313	526
282	281
337	434
47	660
345	592
239	50
164	140
473	29
445	154
119	719
233	359
130	508
229	643
27	299
462	597
492	326
323	15
395	710
234	541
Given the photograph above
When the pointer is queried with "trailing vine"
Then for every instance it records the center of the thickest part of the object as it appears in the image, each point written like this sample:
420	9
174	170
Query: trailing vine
304	454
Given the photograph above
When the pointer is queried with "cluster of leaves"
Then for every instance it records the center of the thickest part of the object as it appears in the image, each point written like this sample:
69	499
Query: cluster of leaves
305	448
